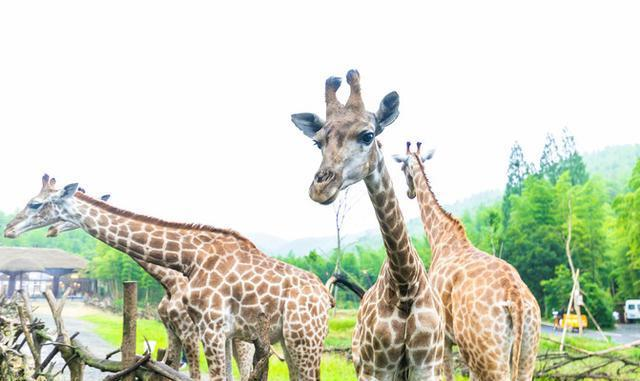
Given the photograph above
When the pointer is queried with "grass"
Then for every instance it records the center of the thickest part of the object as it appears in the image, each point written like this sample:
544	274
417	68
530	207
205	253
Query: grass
335	367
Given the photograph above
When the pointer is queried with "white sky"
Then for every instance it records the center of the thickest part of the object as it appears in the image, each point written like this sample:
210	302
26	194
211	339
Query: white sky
181	109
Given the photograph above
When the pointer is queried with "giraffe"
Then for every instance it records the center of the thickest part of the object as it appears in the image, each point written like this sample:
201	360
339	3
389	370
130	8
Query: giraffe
489	312
181	330
233	289
399	327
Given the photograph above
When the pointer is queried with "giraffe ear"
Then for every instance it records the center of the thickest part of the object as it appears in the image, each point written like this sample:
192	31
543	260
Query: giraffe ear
388	111
308	123
427	155
67	192
105	197
402	159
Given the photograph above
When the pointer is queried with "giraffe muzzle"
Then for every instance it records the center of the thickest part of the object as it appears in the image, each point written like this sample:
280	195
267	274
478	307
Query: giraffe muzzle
325	187
10	233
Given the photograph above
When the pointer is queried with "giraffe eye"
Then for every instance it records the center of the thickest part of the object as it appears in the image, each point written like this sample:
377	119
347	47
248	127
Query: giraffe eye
35	205
366	137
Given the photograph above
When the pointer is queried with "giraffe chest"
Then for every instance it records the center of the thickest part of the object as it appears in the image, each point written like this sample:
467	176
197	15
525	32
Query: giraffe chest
398	334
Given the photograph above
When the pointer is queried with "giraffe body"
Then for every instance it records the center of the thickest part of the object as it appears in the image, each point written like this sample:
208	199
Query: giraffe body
489	312
399	333
182	333
232	289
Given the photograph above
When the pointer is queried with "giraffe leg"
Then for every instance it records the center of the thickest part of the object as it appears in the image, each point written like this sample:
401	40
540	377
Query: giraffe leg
174	347
529	348
172	355
214	341
227	359
426	373
243	353
304	339
447	363
191	345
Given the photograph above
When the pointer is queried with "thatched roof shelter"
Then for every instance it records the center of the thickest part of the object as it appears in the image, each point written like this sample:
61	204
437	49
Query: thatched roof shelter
46	258
15	261
21	266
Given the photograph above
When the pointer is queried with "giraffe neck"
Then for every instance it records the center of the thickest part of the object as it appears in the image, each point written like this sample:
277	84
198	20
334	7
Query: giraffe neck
444	231
167	278
145	240
404	264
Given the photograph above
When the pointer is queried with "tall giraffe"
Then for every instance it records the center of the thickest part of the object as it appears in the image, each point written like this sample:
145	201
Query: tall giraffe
181	330
234	289
399	328
489	312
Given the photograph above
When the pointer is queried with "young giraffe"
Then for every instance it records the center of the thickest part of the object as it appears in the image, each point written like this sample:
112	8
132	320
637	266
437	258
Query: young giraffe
234	289
181	330
399	330
490	313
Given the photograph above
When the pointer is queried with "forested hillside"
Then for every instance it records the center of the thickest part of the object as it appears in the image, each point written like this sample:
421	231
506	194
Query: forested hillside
526	226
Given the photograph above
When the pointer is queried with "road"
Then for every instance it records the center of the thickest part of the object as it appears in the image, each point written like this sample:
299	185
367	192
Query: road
72	324
622	334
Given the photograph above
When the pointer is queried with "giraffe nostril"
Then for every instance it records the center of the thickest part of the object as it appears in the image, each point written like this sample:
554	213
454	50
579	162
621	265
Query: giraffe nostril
324	175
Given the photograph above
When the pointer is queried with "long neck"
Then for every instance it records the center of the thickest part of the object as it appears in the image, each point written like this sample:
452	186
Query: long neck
168	278
143	240
444	231
404	264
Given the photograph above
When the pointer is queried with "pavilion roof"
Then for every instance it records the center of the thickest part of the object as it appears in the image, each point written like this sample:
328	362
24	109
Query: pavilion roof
26	259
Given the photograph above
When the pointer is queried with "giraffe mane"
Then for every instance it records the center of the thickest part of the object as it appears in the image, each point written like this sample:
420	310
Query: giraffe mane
157	221
448	214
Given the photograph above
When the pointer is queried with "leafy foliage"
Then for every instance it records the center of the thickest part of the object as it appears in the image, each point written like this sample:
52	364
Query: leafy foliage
627	236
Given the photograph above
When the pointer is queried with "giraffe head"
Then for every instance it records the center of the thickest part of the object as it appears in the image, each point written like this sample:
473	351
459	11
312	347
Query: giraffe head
43	209
65	226
347	138
408	162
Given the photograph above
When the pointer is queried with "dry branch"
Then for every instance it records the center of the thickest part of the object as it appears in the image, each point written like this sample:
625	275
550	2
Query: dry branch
607	364
77	355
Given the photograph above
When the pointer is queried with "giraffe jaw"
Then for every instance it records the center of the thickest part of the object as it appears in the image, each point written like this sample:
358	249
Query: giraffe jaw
324	196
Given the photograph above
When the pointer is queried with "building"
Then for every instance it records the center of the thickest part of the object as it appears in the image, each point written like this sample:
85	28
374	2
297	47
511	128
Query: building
36	269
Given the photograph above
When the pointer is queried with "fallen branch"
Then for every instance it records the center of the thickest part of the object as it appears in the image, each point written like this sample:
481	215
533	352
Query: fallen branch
606	364
124	372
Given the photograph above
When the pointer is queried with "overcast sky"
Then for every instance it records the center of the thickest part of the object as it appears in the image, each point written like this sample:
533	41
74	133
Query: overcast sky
181	110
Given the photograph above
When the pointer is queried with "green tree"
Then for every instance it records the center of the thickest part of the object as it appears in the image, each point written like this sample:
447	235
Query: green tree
533	243
571	161
557	291
627	234
550	160
517	172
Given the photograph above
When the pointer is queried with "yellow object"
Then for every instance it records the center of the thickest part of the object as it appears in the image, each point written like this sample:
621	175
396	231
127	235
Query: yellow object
572	321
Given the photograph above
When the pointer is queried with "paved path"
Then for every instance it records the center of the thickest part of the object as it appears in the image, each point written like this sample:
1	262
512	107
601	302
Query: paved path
73	324
622	334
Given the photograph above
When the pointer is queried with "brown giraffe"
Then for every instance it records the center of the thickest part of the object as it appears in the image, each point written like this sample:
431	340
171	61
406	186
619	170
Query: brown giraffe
399	329
233	287
181	330
489	312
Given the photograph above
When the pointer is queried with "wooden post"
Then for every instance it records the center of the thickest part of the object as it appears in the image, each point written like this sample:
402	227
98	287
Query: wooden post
577	302
564	321
129	317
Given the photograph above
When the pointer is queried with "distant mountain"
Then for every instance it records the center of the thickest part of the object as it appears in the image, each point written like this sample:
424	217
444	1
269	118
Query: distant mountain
267	242
613	164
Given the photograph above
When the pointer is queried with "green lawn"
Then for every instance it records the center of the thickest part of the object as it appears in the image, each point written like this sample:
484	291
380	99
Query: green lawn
334	366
